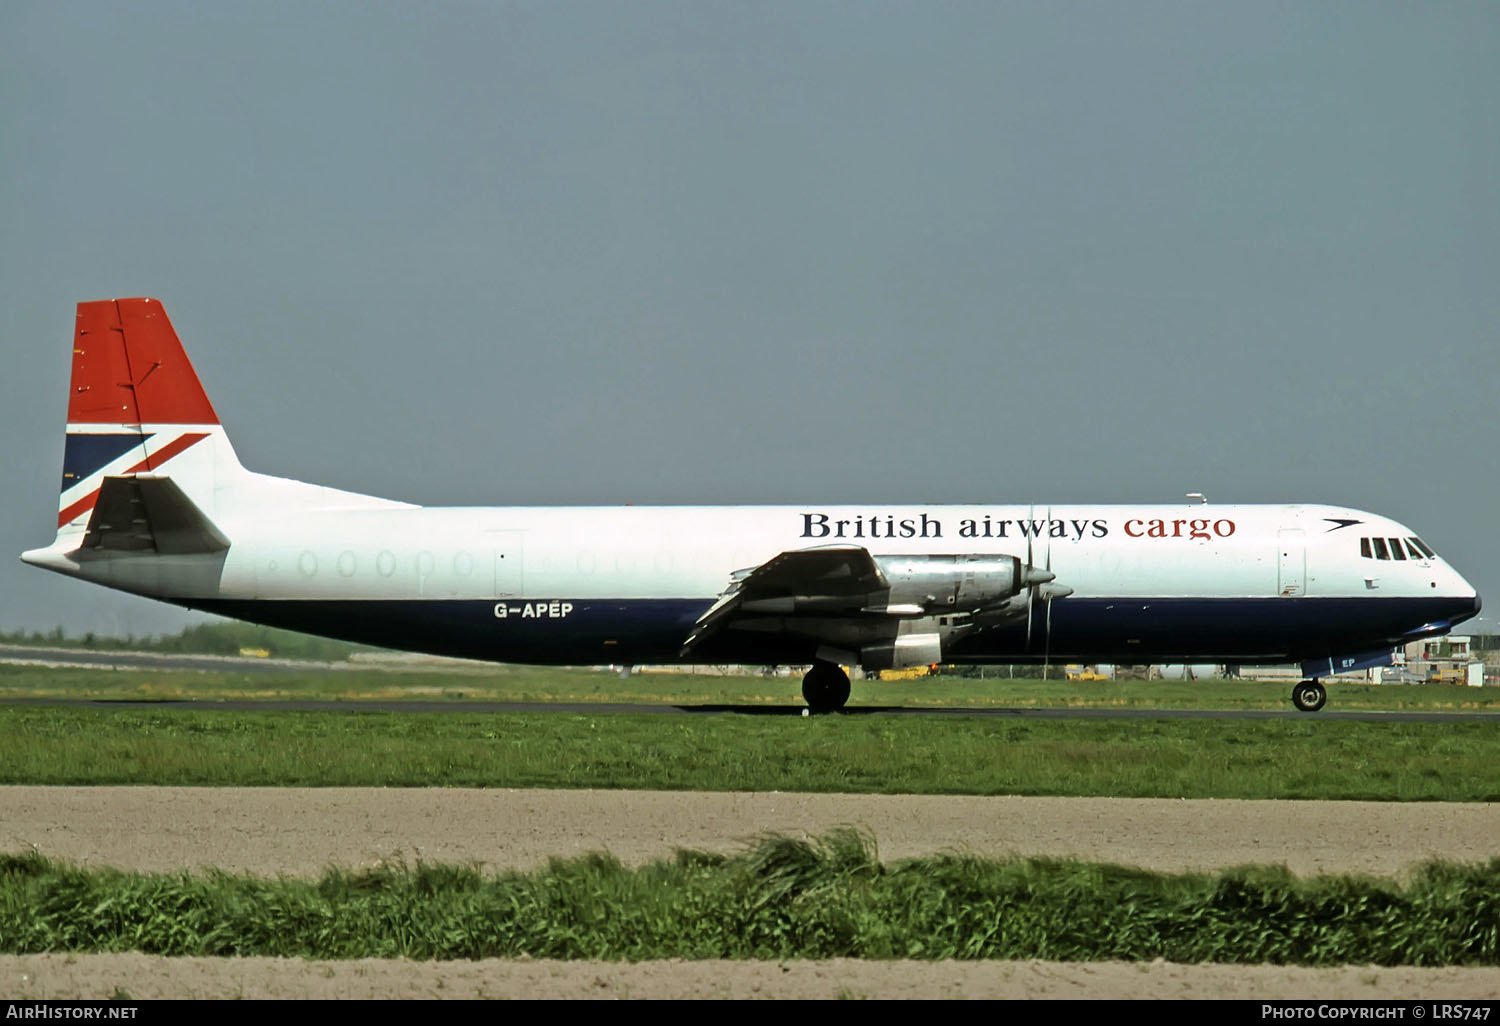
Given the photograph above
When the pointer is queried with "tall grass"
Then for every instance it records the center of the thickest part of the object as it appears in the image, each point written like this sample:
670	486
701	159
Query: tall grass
781	898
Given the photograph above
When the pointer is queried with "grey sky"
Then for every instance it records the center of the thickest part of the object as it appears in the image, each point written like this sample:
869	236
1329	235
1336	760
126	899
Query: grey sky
690	252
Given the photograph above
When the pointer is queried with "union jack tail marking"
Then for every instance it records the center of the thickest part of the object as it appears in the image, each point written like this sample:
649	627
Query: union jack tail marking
134	405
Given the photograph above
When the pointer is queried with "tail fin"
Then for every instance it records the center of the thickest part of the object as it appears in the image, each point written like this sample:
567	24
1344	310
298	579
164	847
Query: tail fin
136	406
147	468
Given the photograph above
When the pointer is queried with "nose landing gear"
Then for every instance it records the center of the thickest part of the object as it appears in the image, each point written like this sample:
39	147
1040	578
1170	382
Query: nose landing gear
1309	696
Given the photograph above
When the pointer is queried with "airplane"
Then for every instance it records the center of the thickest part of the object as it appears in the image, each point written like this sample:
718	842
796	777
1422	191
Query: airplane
155	502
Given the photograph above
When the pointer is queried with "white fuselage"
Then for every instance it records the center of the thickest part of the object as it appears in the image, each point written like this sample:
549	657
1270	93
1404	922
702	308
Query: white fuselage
690	551
595	584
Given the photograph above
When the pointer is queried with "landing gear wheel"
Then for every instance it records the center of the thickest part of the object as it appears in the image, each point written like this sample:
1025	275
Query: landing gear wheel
825	687
1309	696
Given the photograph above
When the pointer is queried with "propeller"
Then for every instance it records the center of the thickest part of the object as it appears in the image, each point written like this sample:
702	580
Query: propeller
1030	568
1047	635
1039	583
1047	643
1045	593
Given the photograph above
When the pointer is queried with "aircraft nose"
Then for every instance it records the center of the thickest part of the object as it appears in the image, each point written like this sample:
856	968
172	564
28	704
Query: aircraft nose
1467	607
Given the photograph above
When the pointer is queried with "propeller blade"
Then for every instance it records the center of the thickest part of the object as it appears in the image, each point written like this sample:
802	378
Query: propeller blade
1031	594
1030	601
1047	627
1047	652
1049	539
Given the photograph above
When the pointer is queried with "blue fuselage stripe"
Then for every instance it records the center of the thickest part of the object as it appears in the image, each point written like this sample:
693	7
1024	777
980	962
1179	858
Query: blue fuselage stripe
1125	630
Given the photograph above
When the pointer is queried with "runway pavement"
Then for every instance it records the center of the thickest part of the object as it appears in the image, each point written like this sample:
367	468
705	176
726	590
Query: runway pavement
40	655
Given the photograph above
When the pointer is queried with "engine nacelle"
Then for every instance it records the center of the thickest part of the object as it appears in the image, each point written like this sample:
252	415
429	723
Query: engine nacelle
951	584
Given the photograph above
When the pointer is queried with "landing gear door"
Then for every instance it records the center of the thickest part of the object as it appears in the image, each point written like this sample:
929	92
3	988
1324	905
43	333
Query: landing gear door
1291	562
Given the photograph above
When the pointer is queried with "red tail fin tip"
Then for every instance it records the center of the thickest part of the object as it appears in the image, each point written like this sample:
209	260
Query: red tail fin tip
129	368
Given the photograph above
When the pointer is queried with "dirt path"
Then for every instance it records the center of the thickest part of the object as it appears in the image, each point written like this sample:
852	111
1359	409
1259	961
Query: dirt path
299	832
146	977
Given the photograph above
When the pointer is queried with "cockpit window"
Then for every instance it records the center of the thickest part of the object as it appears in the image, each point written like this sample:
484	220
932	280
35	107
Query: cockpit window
1395	548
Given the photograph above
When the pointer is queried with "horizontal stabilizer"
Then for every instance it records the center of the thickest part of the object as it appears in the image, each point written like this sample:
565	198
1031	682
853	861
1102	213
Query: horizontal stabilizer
145	513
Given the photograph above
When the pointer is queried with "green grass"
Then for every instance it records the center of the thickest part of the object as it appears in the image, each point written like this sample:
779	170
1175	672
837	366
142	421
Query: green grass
1207	758
553	684
781	898
1293	758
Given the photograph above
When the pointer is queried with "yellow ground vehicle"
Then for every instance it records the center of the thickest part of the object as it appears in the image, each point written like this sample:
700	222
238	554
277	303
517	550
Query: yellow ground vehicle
1076	672
910	673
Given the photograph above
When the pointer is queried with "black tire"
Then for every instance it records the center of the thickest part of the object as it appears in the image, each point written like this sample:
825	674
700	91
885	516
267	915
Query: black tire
1309	696
825	687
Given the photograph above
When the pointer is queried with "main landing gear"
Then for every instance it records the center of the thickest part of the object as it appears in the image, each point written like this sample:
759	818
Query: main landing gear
826	687
1309	696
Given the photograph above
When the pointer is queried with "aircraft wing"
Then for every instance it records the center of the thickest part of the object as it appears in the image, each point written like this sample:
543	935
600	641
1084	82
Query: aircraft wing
823	575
